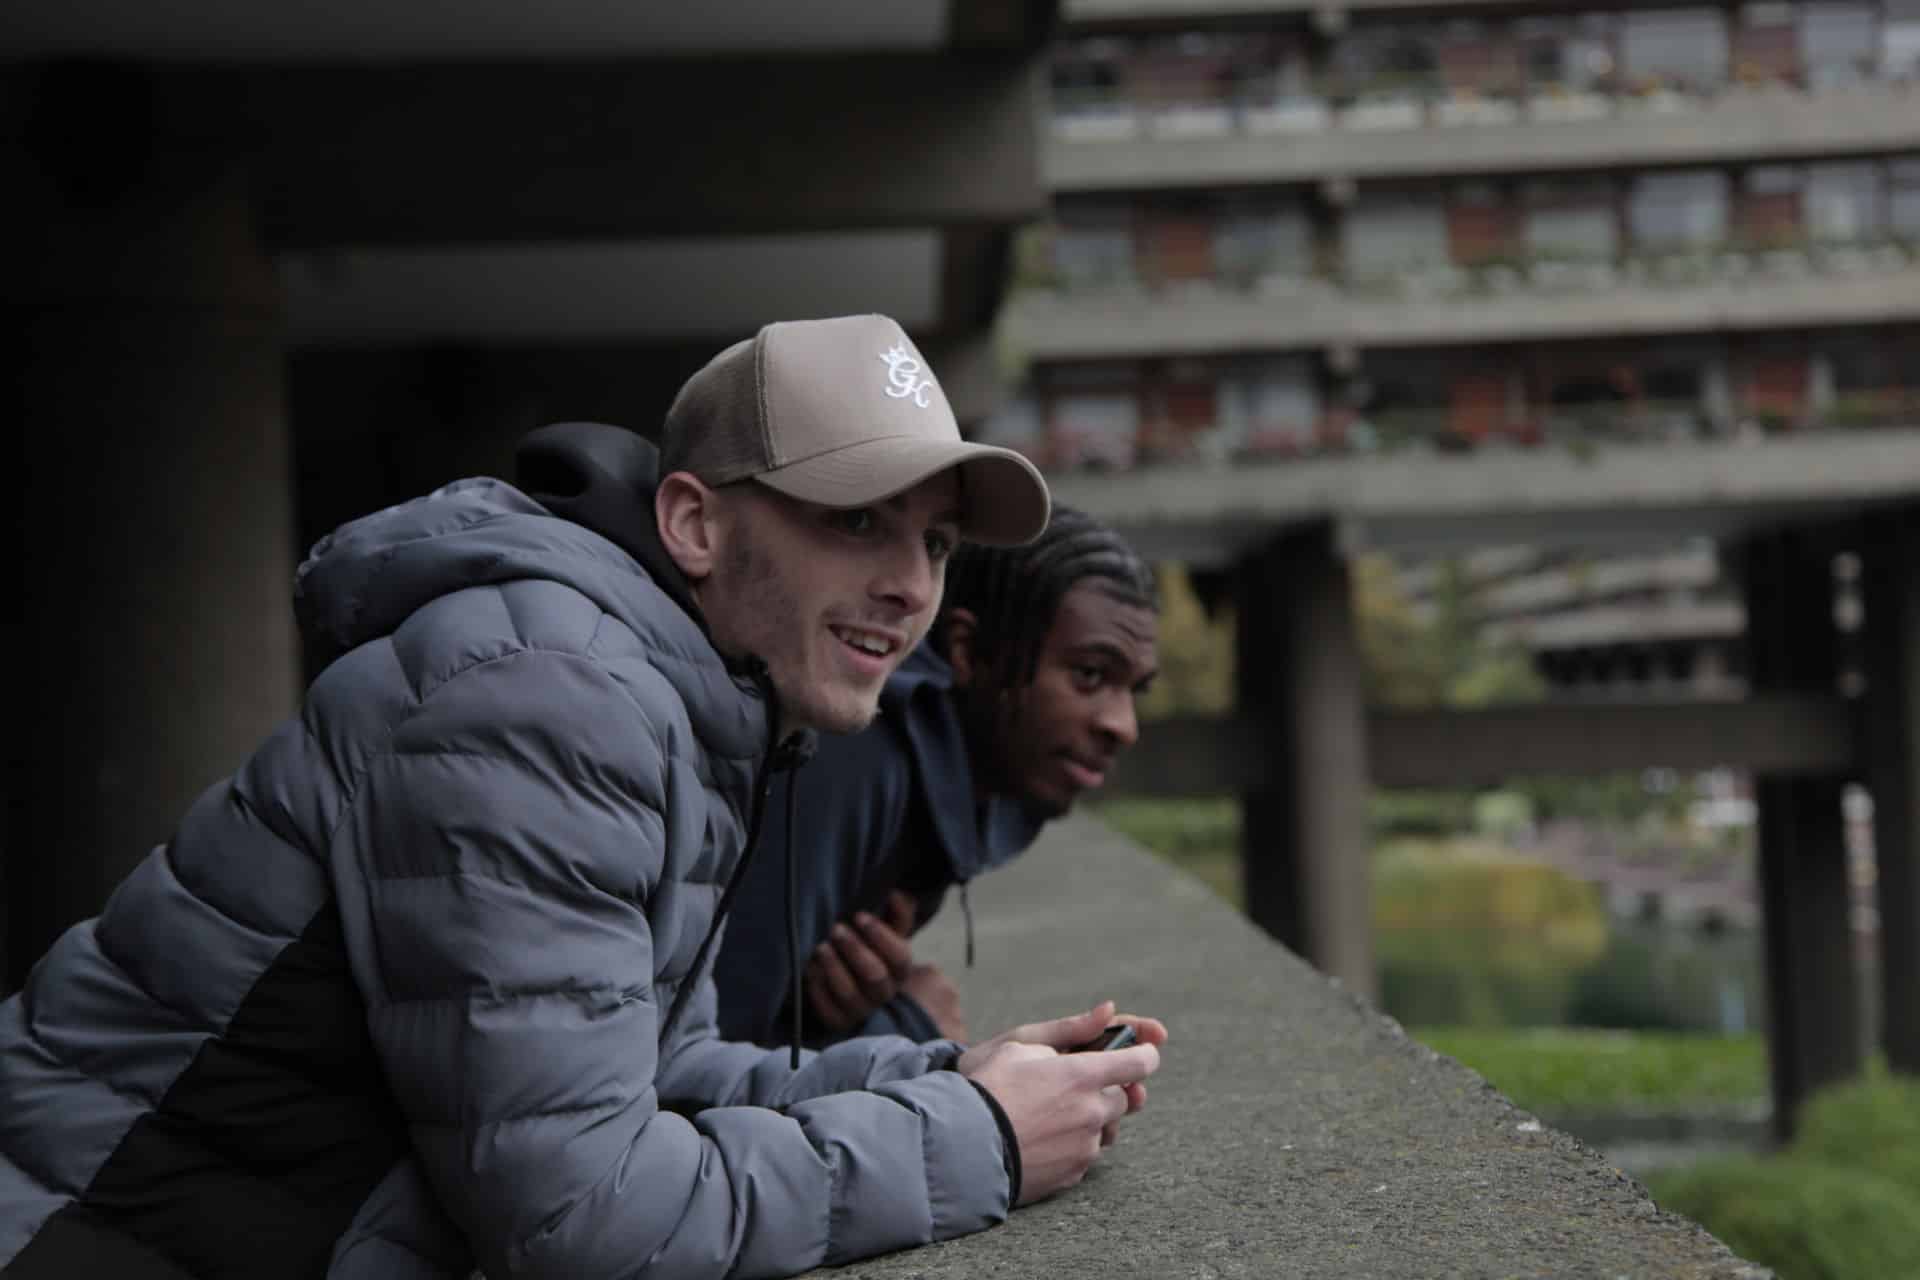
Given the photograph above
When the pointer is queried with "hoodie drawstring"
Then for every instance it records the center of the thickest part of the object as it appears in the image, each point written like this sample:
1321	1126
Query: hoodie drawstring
793	923
692	979
762	788
966	911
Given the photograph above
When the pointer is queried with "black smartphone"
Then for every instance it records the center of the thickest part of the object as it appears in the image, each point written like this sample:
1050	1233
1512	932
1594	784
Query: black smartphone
1117	1036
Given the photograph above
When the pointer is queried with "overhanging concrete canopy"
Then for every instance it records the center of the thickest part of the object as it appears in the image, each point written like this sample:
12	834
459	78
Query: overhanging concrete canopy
368	29
1627	495
606	290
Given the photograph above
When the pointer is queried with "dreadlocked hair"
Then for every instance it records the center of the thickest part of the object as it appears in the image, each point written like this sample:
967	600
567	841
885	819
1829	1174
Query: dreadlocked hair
1014	592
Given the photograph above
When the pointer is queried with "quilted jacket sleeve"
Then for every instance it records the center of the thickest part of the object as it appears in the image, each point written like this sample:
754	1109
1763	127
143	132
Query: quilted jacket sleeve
501	880
701	1070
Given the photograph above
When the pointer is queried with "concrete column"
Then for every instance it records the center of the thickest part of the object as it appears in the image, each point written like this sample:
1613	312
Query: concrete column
1890	556
1304	855
1813	1025
158	518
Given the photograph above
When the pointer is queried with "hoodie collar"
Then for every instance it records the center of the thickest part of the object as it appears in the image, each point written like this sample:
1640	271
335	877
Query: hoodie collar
603	477
974	835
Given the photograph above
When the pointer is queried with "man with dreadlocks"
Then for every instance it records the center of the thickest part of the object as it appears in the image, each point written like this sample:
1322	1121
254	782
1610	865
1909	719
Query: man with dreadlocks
1019	700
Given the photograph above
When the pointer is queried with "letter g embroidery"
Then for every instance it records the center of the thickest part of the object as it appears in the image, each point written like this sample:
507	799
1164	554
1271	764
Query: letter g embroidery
903	376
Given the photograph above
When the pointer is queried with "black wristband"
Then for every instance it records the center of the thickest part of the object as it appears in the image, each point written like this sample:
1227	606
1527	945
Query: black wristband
1008	1143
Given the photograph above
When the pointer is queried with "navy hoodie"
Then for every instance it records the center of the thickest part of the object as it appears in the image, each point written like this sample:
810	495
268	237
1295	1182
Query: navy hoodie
890	807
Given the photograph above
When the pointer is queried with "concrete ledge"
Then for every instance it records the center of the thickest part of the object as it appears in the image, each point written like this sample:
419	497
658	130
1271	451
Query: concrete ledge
1624	494
1208	320
1774	124
1293	1131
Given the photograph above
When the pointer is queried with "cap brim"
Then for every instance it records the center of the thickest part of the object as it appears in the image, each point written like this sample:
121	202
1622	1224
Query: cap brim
1006	501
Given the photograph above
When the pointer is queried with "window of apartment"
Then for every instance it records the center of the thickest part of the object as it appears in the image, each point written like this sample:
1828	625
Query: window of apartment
1195	69
1674	48
1903	198
1862	363
1269	70
1094	247
1384	235
1086	74
1387	61
1684	210
1176	243
1257	239
1839	42
1900	39
1478	57
1282	396
1482	224
1575	221
1843	201
1768	212
1766	43
1093	415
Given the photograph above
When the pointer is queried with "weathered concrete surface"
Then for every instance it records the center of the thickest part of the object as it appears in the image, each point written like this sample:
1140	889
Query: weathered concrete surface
1292	1131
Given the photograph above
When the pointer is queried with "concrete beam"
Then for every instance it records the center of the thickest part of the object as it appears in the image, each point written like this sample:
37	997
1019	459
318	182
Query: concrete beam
1303	855
1814	1034
154	609
1891	586
1203	755
1770	124
1309	315
1626	494
390	154
627	150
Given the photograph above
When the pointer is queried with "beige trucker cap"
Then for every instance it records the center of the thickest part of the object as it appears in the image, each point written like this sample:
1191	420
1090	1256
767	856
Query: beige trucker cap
843	413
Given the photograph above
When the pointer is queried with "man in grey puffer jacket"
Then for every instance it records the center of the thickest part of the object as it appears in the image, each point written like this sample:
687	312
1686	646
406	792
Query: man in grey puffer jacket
425	986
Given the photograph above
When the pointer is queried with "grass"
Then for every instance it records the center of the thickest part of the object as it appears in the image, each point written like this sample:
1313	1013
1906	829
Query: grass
1564	1069
1200	836
1841	1203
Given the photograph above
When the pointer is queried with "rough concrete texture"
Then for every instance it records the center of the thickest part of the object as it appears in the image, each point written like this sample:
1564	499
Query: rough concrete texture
1292	1131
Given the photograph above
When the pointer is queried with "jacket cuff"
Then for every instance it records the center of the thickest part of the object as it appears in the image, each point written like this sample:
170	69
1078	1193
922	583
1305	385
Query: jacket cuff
1009	1144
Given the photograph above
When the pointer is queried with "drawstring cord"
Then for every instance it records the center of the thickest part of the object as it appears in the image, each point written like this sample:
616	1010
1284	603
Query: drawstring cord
966	910
692	979
793	924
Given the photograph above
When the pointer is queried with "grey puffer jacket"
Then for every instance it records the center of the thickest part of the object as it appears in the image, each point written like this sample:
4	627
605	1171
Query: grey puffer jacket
390	1001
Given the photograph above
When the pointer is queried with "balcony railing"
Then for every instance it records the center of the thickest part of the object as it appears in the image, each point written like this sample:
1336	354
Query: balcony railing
1410	101
1496	276
1577	428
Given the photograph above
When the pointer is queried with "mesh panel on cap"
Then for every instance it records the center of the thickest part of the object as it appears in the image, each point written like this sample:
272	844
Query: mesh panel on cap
716	427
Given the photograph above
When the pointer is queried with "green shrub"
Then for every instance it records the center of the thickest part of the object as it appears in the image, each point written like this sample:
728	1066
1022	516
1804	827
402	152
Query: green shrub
1559	1070
1873	1125
1806	1219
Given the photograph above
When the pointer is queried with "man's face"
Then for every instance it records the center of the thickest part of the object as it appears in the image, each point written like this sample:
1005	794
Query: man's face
1060	735
833	600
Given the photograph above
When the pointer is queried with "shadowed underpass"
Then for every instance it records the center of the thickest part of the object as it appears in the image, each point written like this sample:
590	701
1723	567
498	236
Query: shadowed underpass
1292	1130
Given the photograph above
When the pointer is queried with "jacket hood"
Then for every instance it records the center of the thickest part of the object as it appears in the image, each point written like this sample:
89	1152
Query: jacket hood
366	578
920	697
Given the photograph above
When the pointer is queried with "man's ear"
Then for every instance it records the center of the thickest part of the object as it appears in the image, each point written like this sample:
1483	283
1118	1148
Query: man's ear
685	512
961	626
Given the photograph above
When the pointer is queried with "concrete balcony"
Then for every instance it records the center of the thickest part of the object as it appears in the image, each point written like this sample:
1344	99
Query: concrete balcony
1292	1131
1126	148
1623	496
1706	293
1090	14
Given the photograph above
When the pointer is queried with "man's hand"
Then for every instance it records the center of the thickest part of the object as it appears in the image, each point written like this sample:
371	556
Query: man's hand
929	985
861	967
1064	1107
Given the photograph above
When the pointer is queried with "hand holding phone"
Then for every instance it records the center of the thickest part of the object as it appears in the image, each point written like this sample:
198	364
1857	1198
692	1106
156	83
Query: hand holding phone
1117	1036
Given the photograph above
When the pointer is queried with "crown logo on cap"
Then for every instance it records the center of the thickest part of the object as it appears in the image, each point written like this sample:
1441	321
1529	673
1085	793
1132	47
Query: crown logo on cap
903	376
